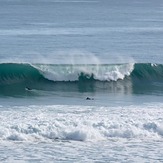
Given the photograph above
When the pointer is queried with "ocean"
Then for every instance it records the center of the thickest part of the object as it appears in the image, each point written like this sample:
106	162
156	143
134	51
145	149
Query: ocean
81	81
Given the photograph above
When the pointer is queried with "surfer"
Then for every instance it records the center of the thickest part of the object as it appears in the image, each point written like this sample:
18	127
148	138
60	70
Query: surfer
88	98
28	89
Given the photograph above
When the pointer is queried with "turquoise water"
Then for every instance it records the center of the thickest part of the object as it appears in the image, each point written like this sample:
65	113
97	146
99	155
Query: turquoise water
54	54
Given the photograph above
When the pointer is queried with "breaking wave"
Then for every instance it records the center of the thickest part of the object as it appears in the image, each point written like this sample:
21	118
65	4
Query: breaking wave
13	72
17	76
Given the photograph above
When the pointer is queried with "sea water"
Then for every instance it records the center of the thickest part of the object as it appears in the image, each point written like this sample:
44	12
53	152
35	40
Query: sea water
56	53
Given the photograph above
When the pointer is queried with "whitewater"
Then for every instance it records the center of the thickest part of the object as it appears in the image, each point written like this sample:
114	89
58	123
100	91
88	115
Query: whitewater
119	133
81	81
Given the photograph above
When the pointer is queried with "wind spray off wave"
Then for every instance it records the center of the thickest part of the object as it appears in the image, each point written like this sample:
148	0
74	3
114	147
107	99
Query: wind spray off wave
76	72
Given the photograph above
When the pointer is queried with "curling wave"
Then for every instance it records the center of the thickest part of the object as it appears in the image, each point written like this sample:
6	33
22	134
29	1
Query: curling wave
14	72
16	76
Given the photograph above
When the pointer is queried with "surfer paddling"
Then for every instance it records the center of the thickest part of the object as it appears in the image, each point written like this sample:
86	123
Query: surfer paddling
28	89
88	98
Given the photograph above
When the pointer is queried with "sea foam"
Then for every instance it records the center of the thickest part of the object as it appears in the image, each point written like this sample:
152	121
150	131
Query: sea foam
81	123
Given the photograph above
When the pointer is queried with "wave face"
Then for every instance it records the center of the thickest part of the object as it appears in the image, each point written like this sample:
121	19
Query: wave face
15	77
17	73
150	72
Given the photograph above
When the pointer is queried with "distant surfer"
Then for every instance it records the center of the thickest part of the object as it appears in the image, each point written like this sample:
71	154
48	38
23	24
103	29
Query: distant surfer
28	89
88	98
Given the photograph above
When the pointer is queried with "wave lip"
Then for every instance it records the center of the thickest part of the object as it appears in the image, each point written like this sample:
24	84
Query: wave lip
76	72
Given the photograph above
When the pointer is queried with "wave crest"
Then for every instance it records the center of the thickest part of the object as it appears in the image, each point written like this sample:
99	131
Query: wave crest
77	72
15	77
